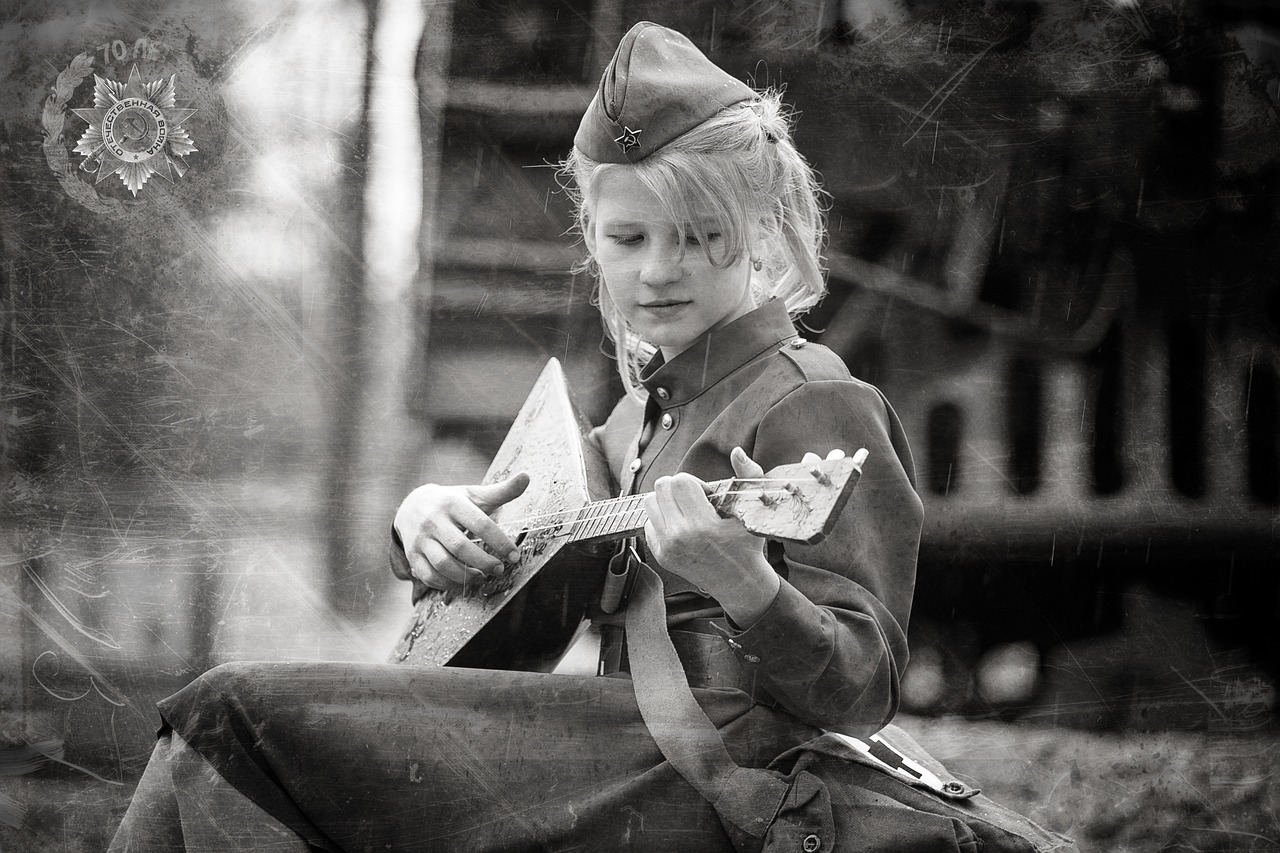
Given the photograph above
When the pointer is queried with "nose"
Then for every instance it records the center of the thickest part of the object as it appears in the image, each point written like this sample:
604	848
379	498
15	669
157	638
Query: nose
662	266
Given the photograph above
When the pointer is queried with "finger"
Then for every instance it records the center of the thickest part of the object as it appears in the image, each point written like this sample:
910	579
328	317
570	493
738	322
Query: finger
484	528
421	569
837	453
655	504
678	498
493	495
744	467
653	540
447	566
810	459
687	494
465	551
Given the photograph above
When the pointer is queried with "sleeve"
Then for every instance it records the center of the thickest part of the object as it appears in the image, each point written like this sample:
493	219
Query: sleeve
832	646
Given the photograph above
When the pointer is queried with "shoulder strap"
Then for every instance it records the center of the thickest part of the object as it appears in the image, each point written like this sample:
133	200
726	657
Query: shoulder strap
745	798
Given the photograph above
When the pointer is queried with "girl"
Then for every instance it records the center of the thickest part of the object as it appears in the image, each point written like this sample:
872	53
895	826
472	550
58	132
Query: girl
702	228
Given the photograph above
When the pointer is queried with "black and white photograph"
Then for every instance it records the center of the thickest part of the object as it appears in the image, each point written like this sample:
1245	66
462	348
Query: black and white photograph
639	425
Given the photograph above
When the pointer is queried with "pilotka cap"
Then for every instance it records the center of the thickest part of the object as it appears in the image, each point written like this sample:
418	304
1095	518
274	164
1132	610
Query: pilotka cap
657	86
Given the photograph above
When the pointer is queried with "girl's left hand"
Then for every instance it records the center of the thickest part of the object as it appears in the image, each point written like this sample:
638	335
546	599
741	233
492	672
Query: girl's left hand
686	536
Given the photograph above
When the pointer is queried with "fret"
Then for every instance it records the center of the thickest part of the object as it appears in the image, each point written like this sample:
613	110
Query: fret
591	520
608	519
605	520
630	517
599	520
635	519
574	531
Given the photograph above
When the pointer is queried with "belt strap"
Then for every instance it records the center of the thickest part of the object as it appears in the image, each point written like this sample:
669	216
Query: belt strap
706	658
746	799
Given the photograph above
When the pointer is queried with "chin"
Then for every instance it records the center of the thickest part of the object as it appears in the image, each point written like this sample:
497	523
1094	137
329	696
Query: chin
669	338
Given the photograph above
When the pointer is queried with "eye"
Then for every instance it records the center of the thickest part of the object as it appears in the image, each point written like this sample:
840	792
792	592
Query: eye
712	237
626	239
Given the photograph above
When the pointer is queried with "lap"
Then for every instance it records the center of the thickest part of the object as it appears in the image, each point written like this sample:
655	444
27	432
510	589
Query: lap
364	755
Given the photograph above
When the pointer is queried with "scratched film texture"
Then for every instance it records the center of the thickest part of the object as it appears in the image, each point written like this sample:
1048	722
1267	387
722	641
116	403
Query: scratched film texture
1055	229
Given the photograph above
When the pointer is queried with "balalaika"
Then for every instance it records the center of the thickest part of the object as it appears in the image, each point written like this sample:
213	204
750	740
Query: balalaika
527	616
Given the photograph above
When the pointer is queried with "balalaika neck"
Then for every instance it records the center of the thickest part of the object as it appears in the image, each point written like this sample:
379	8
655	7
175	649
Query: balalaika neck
791	503
617	518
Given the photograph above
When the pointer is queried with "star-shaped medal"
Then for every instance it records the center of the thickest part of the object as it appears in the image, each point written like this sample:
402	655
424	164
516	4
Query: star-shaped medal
134	131
629	139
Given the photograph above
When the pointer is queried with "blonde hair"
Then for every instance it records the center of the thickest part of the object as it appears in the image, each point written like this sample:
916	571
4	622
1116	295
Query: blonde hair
742	165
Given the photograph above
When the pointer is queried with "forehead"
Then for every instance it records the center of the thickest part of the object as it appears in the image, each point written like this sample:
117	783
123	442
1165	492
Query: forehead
620	195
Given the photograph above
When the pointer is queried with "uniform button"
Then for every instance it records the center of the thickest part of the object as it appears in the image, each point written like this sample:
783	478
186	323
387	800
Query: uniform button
667	421
734	643
811	843
635	465
662	393
751	658
797	343
954	788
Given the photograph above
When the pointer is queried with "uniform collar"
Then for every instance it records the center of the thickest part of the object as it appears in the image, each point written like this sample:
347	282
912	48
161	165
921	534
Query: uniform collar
716	354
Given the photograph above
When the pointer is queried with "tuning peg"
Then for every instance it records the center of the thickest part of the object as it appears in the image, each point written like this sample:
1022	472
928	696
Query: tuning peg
820	476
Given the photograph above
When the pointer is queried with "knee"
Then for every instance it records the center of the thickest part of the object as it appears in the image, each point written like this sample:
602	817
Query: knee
236	678
229	690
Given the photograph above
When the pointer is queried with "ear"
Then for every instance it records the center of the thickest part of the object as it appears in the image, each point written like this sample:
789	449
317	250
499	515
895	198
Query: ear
589	237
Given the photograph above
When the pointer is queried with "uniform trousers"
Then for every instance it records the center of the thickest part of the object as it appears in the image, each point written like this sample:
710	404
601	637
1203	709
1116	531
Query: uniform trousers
356	757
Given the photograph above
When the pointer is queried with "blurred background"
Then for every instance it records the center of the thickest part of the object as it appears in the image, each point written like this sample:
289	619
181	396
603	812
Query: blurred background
1055	235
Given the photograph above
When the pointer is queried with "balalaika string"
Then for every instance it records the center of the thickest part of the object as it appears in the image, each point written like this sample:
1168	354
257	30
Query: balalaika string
582	516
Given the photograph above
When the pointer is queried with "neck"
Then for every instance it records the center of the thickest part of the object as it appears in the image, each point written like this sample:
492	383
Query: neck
618	518
743	309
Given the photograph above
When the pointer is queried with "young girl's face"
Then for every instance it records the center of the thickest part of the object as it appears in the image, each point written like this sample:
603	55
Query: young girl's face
667	289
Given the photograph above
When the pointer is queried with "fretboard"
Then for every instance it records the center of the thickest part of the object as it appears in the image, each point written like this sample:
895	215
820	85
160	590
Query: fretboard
615	518
791	503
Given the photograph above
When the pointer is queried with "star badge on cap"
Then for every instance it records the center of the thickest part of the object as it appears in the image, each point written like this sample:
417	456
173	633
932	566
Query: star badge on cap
629	139
657	80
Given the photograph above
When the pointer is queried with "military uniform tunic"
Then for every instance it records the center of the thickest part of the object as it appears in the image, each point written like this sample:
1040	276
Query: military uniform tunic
376	757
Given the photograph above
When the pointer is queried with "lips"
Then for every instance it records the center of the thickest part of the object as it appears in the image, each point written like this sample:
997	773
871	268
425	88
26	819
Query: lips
664	303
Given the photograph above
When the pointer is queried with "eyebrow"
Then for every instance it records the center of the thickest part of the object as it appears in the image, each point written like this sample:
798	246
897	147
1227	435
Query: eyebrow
710	223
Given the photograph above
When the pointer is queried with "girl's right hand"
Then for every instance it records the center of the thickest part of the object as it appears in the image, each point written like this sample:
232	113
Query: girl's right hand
437	525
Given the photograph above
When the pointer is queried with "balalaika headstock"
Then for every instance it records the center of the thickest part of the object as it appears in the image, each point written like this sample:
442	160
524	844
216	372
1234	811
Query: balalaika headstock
792	503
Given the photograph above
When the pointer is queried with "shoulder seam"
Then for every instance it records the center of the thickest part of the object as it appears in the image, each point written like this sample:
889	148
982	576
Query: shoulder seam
795	356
